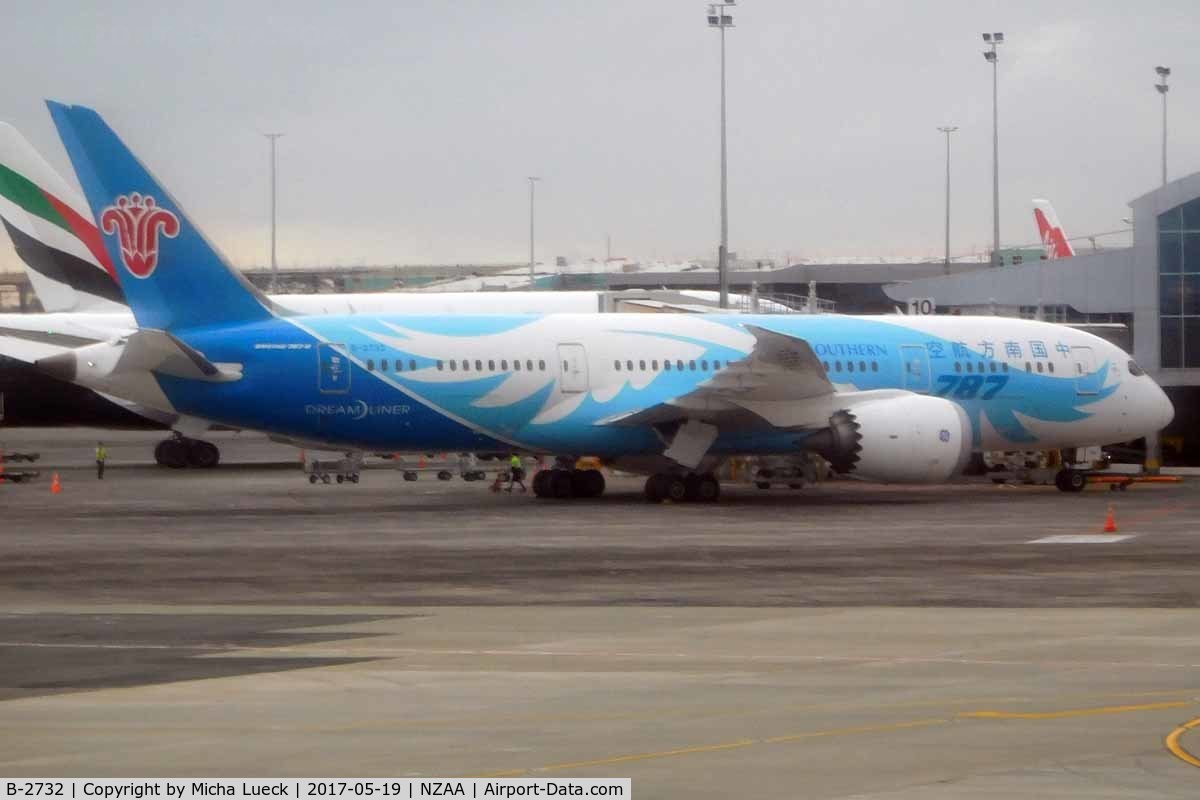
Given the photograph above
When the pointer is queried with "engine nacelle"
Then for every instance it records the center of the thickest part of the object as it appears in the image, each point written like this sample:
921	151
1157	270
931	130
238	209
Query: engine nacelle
910	439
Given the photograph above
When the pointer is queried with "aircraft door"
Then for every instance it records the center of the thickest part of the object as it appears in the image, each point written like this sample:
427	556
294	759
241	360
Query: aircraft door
333	369
572	364
1084	359
916	367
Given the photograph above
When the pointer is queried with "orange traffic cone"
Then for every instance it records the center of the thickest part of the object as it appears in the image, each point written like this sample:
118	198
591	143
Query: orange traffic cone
55	485
1110	522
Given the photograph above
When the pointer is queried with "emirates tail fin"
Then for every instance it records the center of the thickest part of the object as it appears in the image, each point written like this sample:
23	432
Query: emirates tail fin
1050	231
52	231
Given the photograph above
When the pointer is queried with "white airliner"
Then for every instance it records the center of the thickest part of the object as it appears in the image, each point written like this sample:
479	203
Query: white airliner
898	399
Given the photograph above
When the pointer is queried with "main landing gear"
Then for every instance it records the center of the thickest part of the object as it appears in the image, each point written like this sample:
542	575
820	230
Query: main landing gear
690	488
1070	480
179	452
563	484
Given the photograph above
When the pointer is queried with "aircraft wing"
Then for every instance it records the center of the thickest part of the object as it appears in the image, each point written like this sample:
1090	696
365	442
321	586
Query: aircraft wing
781	381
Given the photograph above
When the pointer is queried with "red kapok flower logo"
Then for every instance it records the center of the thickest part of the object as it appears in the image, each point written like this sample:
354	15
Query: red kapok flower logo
137	221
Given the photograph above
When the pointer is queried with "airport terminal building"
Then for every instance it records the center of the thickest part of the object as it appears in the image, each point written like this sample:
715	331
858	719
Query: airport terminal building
1153	287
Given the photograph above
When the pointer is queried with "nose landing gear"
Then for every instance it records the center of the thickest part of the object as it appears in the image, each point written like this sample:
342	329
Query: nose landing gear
1070	480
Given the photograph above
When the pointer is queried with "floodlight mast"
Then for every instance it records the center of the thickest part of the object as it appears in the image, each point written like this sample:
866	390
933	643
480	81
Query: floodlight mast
717	18
947	129
992	40
272	137
1162	87
533	179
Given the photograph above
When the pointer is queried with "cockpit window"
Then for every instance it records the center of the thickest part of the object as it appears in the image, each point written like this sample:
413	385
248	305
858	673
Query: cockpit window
1134	369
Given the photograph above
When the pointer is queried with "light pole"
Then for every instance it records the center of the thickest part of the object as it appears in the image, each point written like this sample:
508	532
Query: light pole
990	54
947	129
274	266
717	18
532	180
1162	87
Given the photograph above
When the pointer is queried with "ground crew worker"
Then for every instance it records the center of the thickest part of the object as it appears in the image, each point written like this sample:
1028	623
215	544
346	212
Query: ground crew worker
515	473
101	457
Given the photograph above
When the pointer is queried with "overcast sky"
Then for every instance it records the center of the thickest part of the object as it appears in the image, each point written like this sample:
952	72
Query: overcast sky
411	126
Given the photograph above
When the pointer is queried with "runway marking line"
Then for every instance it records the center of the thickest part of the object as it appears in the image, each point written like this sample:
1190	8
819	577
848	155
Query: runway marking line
712	748
1082	538
1172	739
1177	749
1074	712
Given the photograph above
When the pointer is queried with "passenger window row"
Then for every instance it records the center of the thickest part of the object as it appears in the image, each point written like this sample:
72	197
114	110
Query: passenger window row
849	365
465	365
971	366
678	365
1042	366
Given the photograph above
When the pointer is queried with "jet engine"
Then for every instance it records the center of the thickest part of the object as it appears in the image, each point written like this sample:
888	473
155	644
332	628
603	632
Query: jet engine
909	439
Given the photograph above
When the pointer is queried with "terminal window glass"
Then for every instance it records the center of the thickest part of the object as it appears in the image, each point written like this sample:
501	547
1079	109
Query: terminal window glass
1179	285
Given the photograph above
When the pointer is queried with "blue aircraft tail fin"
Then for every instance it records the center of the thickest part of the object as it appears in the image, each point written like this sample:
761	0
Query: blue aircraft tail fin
173	277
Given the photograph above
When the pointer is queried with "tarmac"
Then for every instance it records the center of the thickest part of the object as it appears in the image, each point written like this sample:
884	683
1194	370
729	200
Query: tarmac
846	640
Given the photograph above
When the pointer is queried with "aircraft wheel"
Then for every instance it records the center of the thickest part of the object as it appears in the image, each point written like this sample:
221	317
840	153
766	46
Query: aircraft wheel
594	480
1070	480
708	489
653	491
159	448
561	485
541	483
203	455
674	488
174	453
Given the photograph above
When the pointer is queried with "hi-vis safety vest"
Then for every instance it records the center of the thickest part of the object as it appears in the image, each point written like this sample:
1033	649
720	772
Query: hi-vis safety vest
101	454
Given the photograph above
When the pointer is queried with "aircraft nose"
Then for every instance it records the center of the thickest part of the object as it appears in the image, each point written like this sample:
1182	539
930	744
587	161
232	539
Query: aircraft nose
1161	410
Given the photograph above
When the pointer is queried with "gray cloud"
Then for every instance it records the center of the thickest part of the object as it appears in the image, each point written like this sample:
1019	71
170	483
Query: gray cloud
411	126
